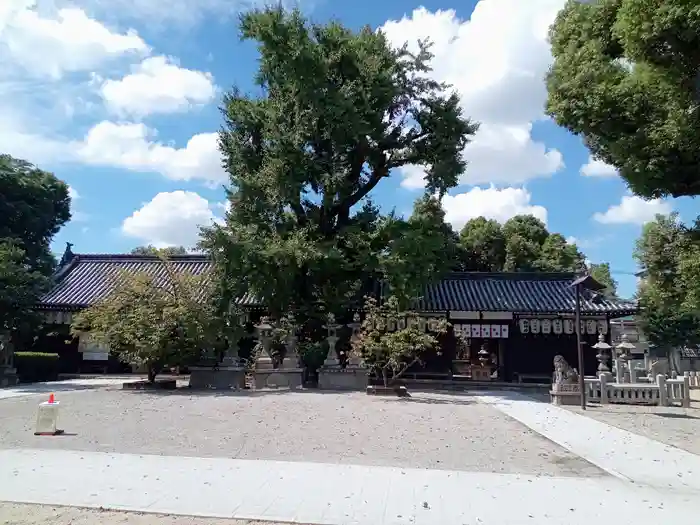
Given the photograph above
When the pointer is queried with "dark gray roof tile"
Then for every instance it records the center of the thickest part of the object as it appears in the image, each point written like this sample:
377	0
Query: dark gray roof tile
515	292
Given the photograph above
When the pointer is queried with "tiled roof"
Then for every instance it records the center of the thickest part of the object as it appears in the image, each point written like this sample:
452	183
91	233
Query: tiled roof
517	293
89	278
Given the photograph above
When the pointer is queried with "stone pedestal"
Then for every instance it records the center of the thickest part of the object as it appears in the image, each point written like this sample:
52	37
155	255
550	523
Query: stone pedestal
221	378
563	395
332	357
348	378
291	378
291	356
8	376
481	373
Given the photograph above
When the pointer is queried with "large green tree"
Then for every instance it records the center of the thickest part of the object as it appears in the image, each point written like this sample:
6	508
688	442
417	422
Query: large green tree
34	205
626	77
149	249
336	113
418	250
669	293
522	243
601	273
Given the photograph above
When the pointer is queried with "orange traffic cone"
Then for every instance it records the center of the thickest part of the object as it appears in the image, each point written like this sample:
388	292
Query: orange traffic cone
52	399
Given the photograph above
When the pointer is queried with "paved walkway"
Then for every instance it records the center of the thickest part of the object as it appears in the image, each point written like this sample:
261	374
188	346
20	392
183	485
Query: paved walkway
69	385
327	494
621	453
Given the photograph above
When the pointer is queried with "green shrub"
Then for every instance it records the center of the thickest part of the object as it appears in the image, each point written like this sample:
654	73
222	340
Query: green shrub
36	366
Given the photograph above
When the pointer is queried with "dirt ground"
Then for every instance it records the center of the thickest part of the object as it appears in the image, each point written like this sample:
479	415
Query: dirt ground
20	514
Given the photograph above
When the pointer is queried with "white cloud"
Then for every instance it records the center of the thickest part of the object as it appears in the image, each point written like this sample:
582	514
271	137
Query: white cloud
65	41
597	168
76	215
633	210
413	177
492	203
170	219
497	64
133	146
173	13
158	85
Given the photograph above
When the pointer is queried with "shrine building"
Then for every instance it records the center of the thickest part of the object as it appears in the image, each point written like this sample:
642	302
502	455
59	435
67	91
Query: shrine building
521	320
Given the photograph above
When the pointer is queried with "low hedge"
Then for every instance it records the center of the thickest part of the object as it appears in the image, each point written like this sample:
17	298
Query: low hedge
34	367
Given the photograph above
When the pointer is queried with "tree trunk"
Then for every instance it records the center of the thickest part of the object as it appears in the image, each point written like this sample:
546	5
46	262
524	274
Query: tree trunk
385	377
152	373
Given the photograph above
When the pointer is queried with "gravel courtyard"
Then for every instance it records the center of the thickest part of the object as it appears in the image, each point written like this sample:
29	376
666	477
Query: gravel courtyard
452	432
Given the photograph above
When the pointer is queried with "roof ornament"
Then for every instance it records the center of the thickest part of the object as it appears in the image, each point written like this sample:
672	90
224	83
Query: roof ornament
67	254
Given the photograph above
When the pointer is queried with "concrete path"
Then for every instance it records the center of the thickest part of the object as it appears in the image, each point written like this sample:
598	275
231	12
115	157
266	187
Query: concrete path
621	453
69	385
327	494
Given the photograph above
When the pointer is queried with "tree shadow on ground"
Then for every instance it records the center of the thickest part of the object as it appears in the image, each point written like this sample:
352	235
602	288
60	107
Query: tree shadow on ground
432	400
186	391
673	415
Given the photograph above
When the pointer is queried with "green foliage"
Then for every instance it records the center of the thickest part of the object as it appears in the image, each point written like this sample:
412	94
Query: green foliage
20	289
312	354
34	367
419	250
390	353
153	321
170	251
483	245
601	273
668	254
521	244
34	205
626	77
337	112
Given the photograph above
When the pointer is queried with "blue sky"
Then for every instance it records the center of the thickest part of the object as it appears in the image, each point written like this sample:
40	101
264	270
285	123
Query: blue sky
119	98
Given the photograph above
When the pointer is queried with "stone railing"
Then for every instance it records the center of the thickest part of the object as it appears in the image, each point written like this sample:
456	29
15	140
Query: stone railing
693	378
664	392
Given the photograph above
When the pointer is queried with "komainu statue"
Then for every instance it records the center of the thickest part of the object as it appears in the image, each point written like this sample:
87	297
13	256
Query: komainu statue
563	373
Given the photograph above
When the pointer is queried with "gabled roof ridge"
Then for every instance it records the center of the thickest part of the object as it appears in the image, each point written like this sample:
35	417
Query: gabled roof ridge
513	276
106	257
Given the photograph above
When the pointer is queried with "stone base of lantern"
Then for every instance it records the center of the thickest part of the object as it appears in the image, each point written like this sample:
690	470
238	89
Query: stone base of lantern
263	363
565	395
222	378
348	378
291	378
481	373
8	376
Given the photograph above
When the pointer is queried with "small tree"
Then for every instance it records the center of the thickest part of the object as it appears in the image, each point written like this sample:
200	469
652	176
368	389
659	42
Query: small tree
148	321
390	353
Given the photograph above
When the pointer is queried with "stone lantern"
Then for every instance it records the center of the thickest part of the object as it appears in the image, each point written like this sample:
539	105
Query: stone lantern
264	329
355	331
603	348
332	327
624	348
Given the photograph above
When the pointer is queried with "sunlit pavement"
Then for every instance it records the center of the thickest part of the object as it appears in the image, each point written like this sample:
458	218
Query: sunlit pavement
326	494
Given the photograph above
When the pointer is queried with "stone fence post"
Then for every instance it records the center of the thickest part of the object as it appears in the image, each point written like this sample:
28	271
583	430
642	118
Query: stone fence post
685	402
663	391
603	388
